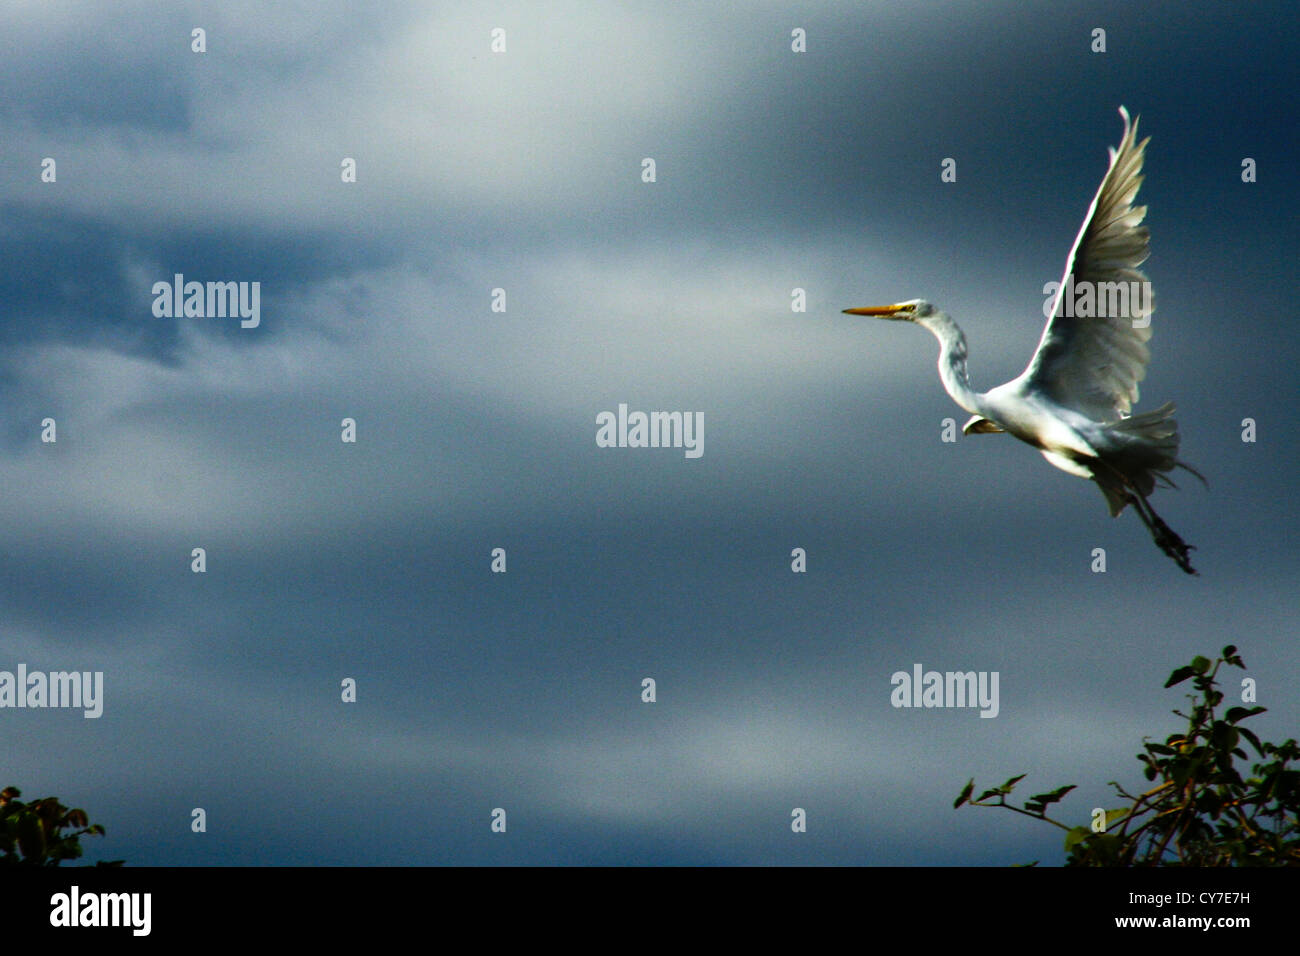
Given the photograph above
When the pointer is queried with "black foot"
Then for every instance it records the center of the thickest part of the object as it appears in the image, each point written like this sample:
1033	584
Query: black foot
1165	537
1174	546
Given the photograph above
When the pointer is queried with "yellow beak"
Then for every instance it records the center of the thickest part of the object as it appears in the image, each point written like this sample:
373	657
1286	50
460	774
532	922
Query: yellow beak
873	310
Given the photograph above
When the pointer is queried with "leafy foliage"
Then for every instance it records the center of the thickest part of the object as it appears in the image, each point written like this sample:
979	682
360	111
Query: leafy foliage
1202	812
33	834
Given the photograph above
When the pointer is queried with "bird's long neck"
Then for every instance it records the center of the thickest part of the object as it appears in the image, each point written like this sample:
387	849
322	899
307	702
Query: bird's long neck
952	360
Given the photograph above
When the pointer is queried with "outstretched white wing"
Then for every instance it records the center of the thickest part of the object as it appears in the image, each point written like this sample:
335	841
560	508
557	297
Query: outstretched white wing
1093	363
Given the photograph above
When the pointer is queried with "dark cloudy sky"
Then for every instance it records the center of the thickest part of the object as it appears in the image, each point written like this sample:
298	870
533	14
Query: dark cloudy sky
476	429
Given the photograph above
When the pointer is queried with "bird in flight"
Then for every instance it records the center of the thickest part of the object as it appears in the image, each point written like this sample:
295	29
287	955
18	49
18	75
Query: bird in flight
1073	402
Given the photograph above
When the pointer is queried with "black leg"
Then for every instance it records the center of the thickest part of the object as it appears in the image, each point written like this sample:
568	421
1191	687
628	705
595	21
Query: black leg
1165	537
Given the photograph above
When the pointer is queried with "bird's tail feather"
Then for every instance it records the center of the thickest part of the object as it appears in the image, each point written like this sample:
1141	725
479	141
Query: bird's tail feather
1150	439
1143	449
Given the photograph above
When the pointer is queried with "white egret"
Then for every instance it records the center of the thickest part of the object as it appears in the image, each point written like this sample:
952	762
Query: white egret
1073	401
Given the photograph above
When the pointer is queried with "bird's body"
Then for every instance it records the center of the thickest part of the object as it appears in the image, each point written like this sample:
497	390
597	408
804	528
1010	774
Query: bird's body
1073	402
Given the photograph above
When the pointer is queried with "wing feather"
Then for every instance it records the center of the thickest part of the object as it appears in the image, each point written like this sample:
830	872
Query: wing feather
1093	364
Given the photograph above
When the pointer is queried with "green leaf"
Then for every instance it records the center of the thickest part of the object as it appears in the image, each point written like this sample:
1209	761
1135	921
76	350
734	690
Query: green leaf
965	794
1250	735
1052	796
1235	714
1114	816
31	838
1010	784
1180	675
1224	735
1201	664
1106	847
1075	835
